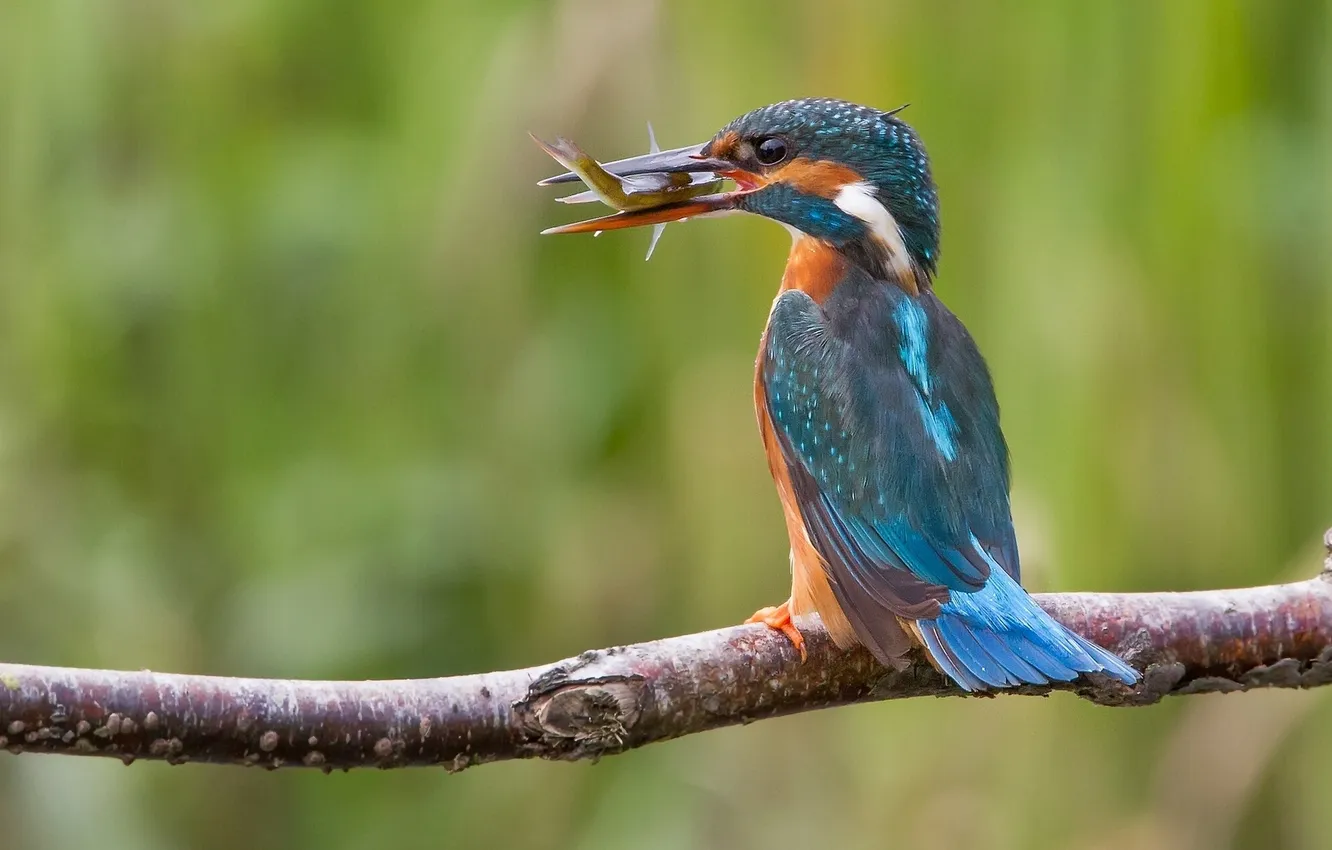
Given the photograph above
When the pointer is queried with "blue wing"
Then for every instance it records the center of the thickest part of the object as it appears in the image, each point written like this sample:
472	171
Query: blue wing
890	429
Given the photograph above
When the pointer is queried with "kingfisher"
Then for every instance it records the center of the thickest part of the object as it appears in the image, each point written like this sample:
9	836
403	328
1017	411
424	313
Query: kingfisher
876	409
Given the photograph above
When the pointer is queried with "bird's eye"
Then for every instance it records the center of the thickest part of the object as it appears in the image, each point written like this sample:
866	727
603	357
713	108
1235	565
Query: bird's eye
770	151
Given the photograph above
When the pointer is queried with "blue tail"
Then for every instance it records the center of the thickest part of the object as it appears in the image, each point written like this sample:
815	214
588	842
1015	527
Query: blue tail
998	637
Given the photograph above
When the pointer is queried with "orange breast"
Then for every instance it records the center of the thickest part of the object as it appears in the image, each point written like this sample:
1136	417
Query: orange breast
814	267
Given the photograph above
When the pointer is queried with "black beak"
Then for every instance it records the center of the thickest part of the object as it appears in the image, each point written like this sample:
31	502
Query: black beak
688	159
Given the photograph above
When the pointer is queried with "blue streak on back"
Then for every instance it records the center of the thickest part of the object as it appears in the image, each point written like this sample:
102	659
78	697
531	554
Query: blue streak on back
913	327
941	428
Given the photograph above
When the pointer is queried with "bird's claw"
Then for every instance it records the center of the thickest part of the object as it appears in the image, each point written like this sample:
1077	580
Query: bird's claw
779	619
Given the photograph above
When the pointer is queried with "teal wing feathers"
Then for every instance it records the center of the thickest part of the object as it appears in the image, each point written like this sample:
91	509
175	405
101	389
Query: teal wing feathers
888	422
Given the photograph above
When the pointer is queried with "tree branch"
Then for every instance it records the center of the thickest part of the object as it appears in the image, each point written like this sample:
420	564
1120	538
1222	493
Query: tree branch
610	700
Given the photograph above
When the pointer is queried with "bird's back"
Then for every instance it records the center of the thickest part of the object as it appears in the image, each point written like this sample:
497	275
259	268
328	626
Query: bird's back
887	421
923	413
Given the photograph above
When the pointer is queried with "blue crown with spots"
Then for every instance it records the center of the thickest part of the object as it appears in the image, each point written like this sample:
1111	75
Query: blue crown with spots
877	145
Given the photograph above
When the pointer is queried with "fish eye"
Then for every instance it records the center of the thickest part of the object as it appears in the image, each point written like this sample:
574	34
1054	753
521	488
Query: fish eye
770	151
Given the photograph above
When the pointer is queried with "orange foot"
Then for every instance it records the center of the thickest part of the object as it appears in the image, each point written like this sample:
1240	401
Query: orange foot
779	618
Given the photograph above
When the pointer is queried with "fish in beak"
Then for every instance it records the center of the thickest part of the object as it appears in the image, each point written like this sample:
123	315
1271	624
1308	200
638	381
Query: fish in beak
653	189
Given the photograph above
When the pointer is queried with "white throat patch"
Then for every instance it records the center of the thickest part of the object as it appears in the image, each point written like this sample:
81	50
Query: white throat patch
858	199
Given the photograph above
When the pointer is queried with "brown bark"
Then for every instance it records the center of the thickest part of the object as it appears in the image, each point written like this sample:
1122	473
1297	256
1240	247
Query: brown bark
609	700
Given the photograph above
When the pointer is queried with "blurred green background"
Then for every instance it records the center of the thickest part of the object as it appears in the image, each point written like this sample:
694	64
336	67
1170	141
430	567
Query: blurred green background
289	386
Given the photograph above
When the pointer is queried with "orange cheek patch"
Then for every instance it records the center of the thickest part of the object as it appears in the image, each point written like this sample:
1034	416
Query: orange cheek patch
815	176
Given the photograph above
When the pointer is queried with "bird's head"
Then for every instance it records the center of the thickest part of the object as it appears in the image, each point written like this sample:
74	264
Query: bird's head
851	176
